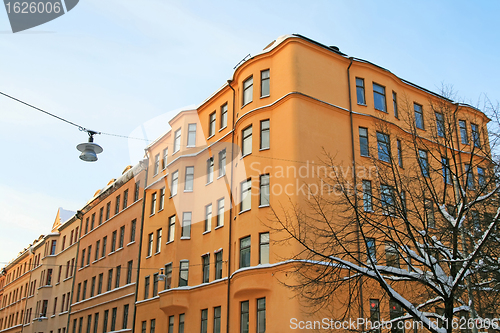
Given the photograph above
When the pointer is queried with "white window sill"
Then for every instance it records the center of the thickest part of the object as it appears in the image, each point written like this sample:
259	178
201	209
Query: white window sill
157	252
211	136
362	104
221	176
219	226
223	128
206	232
148	257
246	103
152	214
188	191
185	238
265	96
131	243
169	242
245	155
263	149
263	206
244	211
160	210
210	182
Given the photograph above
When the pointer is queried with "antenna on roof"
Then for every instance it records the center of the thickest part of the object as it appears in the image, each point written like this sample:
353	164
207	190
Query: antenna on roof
242	61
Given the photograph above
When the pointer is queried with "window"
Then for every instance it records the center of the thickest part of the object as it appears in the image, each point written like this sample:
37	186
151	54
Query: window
125	316
395	311
211	124
379	97
158	240
363	142
125	203
204	320
245	252
168	276
189	179
132	230
146	287
161	204
110	279
264	248
177	140
206	268
186	225
183	273
210	170
113	319
440	124
89	253
83	258
384	147
99	286
480	177
223	116
113	241
370	250
156	165
49	277
246	196
391	254
143	327
222	163
105	322
429	213
367	196
423	162
247	91
220	212
387	199
173	186
463	132
419	115
400	153
265	86
171	228
96	322
375	312
475	135
264	190
122	236
153	203
469	176
395	104
246	141
171	324
108	210
445	167
150	244
101	212
136	190
92	287
87	225
208	217
191	135
164	158
217	322
181	323
152	326
264	134
218	265
244	317
155	284
261	315
129	271
117	277
360	91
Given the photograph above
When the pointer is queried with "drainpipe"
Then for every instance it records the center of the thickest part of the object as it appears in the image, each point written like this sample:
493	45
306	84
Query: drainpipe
140	243
79	215
230	215
361	312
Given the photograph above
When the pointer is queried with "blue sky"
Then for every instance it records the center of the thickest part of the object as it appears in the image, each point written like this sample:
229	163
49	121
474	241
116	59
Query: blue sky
114	65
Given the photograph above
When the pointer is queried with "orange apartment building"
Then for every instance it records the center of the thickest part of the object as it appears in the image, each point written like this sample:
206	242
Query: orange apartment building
184	241
209	261
52	276
105	281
